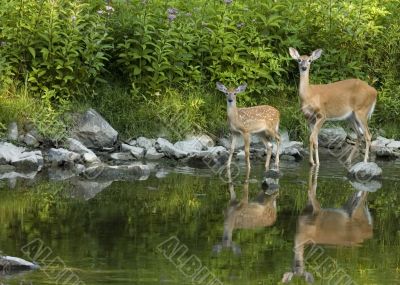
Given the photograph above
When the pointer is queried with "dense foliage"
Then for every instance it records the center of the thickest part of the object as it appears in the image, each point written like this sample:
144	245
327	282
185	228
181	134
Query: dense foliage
141	61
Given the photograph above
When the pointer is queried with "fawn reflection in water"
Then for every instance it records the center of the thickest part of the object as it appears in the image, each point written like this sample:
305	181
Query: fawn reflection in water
244	214
349	225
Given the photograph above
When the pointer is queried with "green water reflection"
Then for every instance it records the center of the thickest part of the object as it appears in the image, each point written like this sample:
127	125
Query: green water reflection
115	237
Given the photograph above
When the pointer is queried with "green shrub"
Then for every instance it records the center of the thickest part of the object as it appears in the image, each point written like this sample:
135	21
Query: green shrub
59	47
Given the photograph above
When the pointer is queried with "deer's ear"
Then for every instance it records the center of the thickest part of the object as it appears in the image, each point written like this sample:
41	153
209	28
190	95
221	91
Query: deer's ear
309	277
221	87
316	54
294	53
287	277
241	88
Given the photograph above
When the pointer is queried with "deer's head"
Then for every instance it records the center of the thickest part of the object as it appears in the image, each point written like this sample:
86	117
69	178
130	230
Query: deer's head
304	60
231	92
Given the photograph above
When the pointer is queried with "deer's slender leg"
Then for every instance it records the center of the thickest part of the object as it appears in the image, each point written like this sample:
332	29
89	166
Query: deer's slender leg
362	119
246	138
268	151
278	144
314	139
231	151
358	141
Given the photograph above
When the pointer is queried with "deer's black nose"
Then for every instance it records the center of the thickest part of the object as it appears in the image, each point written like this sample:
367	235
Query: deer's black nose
304	68
230	100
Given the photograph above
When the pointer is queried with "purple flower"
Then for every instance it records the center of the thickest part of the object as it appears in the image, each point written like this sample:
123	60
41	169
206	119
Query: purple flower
171	17
173	11
228	1
240	25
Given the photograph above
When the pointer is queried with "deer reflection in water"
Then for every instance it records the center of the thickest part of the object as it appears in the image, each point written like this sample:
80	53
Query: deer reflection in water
346	226
242	214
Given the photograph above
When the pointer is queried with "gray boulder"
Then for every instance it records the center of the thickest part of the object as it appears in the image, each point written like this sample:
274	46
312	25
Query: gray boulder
32	160
153	154
144	143
332	137
163	145
384	147
190	146
9	264
123	156
76	146
94	131
21	159
203	139
30	140
61	155
12	133
137	152
364	171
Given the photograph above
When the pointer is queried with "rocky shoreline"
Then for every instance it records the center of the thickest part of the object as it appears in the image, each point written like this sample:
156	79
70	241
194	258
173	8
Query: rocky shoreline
93	151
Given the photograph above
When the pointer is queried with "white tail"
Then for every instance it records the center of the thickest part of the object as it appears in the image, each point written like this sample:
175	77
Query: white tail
351	99
263	120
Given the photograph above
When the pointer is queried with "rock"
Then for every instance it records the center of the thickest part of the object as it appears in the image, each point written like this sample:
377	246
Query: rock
163	145
76	146
132	142
291	148
137	152
18	157
394	144
384	147
91	158
30	140
8	152
212	156
363	171
205	140
189	146
6	168
61	155
366	186
124	156
79	168
332	137
145	143
9	264
226	142
118	172
12	133
152	154
241	155
28	161
94	131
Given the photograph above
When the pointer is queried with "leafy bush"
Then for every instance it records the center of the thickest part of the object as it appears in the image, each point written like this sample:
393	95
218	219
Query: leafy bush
59	47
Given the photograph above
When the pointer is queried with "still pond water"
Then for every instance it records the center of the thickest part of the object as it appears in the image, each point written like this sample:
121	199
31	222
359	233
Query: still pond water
128	232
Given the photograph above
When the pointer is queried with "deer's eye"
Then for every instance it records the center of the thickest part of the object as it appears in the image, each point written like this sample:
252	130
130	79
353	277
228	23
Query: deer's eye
299	60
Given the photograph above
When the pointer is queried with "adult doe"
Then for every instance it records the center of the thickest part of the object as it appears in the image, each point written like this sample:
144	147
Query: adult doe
263	120
351	99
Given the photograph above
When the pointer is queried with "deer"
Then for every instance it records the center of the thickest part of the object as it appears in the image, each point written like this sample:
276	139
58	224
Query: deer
351	99
242	214
349	225
262	120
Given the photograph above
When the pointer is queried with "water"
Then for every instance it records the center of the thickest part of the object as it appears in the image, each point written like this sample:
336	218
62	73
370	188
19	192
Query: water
126	233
